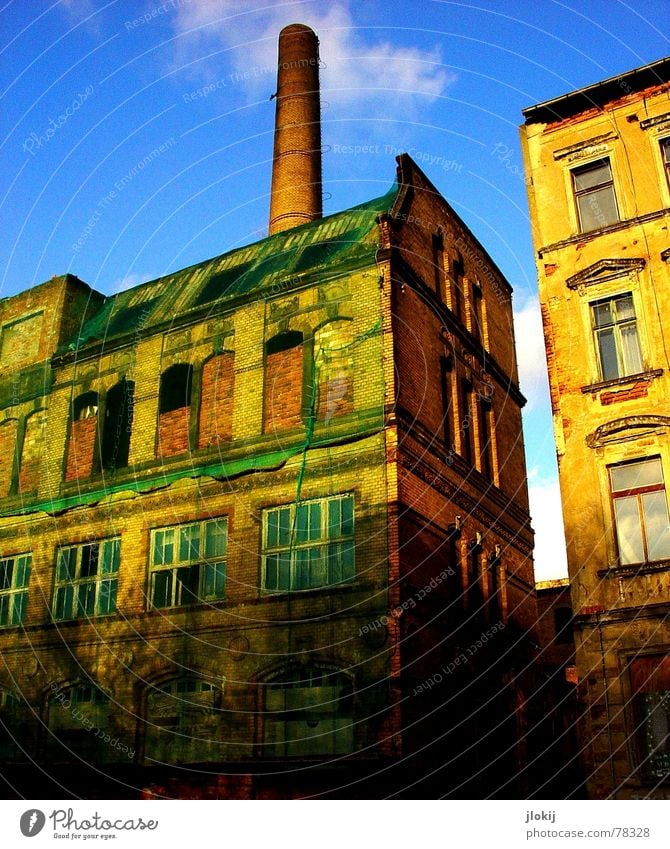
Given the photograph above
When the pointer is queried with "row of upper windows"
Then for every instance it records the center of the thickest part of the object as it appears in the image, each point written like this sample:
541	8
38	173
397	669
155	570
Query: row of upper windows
101	424
594	191
305	546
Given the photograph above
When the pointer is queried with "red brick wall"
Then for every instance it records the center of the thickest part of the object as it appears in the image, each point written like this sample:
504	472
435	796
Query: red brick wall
31	454
80	449
7	451
173	432
216	404
283	389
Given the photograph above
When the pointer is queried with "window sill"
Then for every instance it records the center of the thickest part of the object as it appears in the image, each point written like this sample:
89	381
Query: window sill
622	381
283	595
634	569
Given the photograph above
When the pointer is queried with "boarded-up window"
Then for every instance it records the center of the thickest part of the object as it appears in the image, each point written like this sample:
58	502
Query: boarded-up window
216	404
8	431
83	434
284	381
21	341
174	407
34	440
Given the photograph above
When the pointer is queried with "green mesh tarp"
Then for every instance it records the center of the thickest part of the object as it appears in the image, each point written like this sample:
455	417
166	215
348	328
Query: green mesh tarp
341	241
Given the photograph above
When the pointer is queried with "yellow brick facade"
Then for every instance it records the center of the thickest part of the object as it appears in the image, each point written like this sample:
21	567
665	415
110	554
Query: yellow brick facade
599	191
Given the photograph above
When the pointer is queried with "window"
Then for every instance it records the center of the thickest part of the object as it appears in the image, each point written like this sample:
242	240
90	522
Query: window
477	315
188	563
467	423
182	719
310	544
485	442
83	437
288	381
665	152
86	579
308	711
438	263
11	719
563	624
594	194
85	406
14	578
640	511
115	445
457	282
175	388
650	685
79	721
445	388
616	339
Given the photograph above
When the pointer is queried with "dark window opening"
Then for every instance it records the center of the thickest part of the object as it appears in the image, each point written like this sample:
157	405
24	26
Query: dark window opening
445	386
175	389
283	342
85	406
486	448
563	624
457	278
115	445
477	317
467	423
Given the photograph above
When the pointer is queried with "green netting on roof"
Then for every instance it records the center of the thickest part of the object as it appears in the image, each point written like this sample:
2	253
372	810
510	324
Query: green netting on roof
342	240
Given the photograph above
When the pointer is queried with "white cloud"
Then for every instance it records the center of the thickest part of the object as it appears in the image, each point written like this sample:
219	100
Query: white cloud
546	511
356	69
530	353
128	282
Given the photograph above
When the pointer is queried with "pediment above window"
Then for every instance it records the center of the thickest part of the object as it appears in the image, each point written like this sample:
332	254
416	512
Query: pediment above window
605	270
626	428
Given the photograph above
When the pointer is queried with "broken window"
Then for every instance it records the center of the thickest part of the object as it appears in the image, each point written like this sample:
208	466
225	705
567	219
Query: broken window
14	579
287	398
175	388
86	579
188	563
117	427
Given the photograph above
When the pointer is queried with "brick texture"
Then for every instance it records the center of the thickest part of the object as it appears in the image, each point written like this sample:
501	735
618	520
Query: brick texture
81	446
173	432
216	405
31	455
7	452
283	389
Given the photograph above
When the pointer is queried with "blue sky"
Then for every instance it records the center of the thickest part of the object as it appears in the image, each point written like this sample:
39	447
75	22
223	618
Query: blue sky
136	136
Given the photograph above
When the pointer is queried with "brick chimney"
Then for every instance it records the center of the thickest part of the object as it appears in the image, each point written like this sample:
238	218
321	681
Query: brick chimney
296	169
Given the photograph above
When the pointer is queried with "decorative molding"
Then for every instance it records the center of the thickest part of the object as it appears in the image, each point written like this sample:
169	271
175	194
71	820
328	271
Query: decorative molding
612	431
622	381
585	148
605	270
659	122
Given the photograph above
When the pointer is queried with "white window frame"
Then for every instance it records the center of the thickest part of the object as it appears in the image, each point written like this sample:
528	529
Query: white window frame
291	563
609	298
73	591
14	598
167	559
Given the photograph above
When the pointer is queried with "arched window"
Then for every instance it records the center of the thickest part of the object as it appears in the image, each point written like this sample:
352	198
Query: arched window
182	722
79	725
308	710
117	427
174	408
335	370
216	404
83	434
285	374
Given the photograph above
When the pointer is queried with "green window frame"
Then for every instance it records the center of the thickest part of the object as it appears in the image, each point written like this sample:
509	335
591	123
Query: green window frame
308	545
87	579
188	563
14	579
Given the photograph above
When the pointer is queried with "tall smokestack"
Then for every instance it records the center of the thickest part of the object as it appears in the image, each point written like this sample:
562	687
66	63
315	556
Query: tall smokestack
296	168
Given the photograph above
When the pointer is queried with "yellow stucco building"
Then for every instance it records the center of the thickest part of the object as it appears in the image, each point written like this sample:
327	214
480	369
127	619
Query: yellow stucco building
598	168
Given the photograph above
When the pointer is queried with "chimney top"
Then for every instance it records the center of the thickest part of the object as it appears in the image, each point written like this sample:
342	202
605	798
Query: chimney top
296	168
